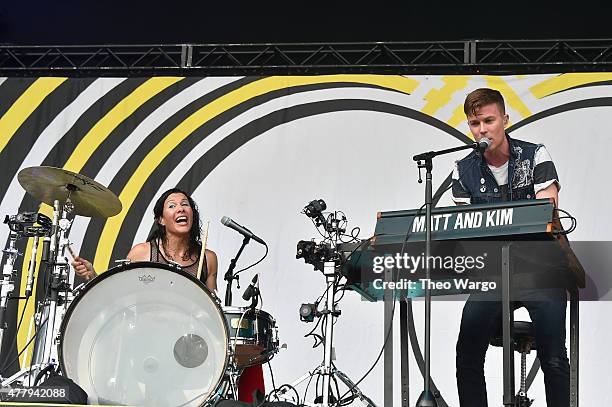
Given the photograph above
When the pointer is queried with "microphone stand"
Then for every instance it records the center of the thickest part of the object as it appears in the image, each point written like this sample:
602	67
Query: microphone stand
425	160
229	274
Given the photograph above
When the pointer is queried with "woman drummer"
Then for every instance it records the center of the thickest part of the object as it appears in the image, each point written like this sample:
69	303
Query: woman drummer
175	238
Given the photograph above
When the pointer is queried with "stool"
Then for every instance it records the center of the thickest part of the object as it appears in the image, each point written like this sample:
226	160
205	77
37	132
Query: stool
523	341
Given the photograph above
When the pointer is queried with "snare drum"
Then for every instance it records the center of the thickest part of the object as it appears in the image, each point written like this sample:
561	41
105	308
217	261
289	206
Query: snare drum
253	335
145	334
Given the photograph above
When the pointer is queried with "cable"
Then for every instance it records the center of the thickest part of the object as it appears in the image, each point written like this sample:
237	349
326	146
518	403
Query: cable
307	386
317	228
365	241
289	387
254	264
272	376
568	216
353	238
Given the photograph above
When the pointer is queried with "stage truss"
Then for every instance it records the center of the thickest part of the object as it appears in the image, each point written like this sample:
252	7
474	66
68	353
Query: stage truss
439	57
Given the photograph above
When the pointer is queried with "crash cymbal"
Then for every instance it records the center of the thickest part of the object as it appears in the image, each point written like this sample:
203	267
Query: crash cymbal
89	198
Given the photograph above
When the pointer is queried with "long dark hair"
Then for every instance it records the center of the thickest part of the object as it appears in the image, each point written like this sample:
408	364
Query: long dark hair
159	231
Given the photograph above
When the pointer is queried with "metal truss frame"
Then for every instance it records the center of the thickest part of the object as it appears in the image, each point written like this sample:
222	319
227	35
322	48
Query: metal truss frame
436	57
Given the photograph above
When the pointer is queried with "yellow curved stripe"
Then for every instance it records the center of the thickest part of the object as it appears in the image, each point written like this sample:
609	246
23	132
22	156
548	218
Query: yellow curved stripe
22	335
24	106
206	113
512	99
102	129
567	81
438	98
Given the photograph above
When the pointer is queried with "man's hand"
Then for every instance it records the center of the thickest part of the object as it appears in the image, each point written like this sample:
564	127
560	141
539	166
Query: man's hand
83	268
550	191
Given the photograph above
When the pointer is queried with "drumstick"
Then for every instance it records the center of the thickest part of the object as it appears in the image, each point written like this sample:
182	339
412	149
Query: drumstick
203	251
71	251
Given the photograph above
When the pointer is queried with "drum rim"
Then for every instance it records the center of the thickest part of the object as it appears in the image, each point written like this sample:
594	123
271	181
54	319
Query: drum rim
258	312
129	266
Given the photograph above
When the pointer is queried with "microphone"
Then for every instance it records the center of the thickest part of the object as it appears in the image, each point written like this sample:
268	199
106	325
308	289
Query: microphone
483	144
251	289
241	229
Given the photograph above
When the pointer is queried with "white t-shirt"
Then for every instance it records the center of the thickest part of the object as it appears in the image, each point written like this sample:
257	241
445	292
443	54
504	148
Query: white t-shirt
500	173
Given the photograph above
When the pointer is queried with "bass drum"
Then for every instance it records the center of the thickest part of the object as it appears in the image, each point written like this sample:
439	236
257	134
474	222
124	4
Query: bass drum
145	334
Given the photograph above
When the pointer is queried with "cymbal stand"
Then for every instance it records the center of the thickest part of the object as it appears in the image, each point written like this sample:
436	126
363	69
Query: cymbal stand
228	388
59	280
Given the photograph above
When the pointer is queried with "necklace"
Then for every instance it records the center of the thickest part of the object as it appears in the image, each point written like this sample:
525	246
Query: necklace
172	254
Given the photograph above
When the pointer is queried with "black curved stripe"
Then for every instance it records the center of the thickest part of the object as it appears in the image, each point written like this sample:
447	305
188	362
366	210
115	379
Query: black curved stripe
25	137
579	104
585	85
11	89
232	142
95	226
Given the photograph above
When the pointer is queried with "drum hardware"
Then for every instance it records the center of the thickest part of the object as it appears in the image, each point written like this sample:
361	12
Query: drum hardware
77	290
325	257
122	262
174	264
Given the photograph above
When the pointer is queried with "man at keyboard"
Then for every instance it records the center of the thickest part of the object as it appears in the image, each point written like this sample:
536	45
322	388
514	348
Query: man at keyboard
508	170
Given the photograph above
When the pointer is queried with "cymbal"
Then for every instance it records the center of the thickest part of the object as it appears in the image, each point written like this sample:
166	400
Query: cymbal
89	197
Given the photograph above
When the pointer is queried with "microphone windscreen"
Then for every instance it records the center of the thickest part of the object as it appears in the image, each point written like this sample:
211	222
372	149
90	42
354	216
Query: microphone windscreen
484	143
225	220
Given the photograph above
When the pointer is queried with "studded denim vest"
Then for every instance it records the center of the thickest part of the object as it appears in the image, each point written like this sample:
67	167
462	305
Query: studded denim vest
478	180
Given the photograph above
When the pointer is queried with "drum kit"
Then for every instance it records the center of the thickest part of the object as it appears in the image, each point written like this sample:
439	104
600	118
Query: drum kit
141	333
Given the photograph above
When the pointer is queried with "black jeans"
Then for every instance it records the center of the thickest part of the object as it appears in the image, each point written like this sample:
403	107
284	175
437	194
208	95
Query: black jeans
482	319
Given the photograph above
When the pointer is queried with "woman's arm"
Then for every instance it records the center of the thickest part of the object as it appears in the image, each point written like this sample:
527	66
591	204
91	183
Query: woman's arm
211	264
140	252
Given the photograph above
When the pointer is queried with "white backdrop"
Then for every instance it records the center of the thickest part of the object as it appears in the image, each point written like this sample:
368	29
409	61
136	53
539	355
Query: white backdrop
360	162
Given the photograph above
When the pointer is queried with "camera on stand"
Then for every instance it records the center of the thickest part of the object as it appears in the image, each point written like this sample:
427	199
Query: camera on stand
326	257
333	225
314	253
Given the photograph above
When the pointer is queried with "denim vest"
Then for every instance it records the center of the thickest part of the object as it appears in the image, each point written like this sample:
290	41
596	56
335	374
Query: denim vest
477	178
